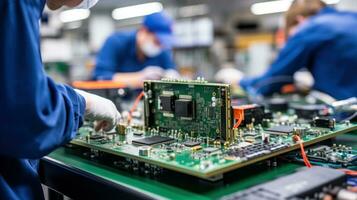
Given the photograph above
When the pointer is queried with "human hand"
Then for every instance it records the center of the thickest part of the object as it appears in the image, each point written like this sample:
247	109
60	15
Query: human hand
101	110
152	73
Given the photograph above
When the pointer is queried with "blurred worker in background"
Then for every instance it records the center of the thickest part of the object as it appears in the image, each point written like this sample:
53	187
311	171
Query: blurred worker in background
321	39
134	56
37	115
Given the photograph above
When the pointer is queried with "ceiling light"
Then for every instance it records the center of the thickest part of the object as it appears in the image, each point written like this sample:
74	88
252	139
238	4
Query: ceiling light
73	25
136	11
270	7
74	15
277	6
332	1
193	10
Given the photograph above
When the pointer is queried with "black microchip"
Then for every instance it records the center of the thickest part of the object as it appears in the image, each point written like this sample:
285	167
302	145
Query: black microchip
167	103
96	137
256	112
309	111
111	133
281	129
152	140
191	143
268	115
210	149
138	133
184	108
324	123
278	104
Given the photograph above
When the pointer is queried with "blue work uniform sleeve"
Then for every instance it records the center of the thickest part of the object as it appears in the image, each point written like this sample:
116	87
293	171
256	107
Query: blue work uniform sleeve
107	59
167	60
297	53
37	115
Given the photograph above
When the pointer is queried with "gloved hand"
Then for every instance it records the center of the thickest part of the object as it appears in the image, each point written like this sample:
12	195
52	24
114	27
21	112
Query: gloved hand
101	110
152	73
303	80
229	75
172	74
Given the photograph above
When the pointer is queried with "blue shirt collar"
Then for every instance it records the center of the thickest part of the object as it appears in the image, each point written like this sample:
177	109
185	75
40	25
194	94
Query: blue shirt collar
327	10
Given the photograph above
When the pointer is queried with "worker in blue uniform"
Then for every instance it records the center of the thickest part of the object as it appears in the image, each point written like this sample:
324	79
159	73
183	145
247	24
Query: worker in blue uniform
134	56
324	41
37	115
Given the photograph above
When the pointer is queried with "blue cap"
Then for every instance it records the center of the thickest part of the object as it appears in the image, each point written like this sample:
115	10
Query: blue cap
161	25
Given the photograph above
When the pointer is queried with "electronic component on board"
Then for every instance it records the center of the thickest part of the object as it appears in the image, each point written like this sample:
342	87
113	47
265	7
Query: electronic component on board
120	128
309	111
300	131
324	122
184	108
191	143
280	130
251	113
278	104
210	149
194	107
144	150
335	156
96	137
167	103
152	140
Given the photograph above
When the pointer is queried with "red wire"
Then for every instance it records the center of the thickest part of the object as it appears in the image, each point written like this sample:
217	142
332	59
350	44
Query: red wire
135	105
303	154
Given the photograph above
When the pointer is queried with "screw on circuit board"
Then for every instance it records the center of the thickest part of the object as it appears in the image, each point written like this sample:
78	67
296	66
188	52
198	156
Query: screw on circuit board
275	163
268	163
347	122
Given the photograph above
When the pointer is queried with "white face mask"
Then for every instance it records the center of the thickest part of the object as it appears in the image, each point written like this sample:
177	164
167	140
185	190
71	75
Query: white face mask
86	4
150	49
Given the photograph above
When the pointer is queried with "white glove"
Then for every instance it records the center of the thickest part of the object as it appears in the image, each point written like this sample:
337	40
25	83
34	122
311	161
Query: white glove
229	75
303	79
172	74
152	73
101	110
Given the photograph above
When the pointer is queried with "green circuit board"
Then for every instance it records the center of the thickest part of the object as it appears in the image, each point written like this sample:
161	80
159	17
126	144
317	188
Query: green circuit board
188	129
335	156
197	108
206	160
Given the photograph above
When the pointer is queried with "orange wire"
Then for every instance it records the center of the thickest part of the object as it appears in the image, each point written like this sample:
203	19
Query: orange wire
238	114
308	164
349	172
239	121
303	154
136	103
